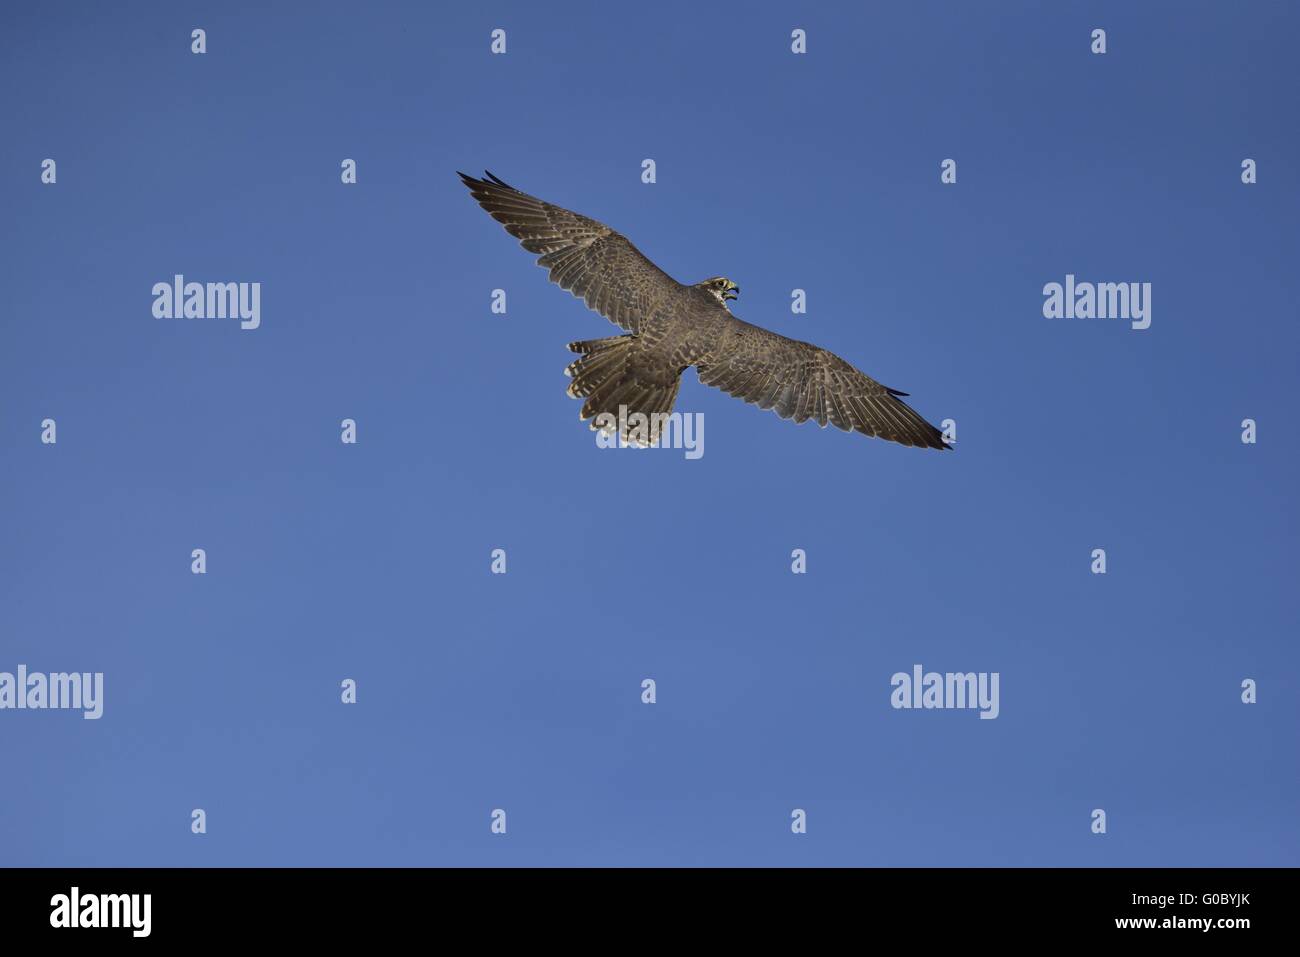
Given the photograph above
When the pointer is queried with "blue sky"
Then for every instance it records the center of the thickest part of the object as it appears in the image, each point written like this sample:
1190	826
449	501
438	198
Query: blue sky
522	691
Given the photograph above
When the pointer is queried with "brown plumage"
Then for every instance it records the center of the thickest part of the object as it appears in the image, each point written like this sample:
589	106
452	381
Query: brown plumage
672	326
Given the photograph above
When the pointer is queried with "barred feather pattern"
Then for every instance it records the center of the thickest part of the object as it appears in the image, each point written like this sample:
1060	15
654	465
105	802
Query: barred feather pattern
615	379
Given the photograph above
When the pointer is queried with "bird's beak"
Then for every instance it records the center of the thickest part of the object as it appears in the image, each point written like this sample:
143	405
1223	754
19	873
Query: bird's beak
732	292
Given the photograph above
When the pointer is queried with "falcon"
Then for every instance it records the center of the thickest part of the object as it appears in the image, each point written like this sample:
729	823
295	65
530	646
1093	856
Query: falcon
671	327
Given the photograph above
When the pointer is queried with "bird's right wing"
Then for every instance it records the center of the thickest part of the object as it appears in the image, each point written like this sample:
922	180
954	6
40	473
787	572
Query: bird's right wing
584	256
801	381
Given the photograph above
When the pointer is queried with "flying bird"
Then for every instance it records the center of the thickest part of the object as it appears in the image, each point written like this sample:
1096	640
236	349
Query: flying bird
671	327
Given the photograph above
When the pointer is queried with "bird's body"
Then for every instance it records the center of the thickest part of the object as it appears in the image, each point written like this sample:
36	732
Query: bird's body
672	326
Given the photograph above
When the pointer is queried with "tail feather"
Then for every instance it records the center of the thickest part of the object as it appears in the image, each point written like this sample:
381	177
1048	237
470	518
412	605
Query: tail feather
590	372
592	346
617	387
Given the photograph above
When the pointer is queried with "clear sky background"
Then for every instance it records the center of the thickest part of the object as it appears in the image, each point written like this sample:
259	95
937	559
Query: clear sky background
522	691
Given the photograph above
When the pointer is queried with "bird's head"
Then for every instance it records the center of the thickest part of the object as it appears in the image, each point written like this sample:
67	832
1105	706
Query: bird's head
721	288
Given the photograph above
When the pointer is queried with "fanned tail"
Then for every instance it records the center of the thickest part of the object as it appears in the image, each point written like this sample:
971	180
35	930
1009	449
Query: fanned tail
622	393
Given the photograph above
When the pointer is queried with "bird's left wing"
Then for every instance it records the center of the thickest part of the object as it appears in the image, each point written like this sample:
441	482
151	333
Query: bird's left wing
584	256
800	381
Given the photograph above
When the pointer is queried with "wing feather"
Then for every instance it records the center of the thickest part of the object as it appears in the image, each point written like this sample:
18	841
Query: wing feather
801	381
584	256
